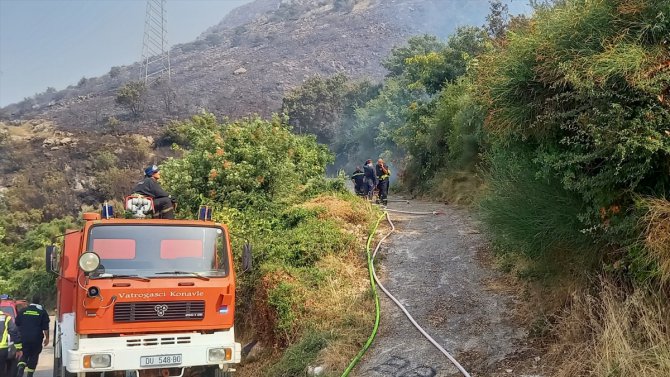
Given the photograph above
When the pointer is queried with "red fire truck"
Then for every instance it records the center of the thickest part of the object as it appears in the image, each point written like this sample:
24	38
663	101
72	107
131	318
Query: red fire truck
144	297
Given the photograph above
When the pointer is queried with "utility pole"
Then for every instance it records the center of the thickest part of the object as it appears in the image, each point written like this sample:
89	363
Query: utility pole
155	49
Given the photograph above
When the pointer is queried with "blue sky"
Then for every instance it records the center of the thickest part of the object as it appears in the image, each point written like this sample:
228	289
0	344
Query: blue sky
55	42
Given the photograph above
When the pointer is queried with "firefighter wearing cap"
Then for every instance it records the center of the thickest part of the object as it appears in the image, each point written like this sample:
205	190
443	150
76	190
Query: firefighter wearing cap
383	174
149	186
9	332
33	323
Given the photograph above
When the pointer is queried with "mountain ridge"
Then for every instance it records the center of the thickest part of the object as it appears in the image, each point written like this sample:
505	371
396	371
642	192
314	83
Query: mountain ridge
274	45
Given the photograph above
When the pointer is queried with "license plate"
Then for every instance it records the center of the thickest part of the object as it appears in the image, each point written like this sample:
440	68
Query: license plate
159	360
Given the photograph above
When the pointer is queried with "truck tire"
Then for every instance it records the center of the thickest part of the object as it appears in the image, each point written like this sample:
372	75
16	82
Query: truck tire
216	372
59	369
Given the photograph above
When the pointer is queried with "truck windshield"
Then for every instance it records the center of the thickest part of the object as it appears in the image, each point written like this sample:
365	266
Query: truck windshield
159	250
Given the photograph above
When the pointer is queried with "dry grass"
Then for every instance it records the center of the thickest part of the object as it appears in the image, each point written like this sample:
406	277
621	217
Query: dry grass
334	301
27	130
344	211
547	284
614	333
657	234
343	307
461	187
264	317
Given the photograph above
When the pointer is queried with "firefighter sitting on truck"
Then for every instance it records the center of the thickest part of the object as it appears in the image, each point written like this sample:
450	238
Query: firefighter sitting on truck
8	331
149	186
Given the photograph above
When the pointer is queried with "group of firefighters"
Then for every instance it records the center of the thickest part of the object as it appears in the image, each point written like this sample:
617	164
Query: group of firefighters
22	339
371	178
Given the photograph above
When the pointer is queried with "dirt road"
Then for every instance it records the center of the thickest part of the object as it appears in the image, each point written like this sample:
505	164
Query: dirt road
433	266
45	366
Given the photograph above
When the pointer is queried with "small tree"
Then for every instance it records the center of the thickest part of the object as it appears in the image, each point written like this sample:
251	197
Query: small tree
132	96
114	72
497	20
315	107
112	124
168	95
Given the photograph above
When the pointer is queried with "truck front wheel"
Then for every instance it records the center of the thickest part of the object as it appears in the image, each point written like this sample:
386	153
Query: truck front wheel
59	369
215	371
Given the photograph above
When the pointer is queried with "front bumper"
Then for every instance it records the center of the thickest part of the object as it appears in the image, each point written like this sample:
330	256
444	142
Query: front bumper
126	351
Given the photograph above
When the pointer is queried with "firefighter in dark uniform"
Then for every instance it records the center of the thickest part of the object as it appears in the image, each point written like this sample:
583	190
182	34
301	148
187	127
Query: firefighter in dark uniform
370	177
33	322
383	174
9	332
149	186
360	183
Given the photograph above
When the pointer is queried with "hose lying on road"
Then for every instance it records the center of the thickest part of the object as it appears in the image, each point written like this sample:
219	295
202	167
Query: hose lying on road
371	272
398	201
404	310
414	213
375	280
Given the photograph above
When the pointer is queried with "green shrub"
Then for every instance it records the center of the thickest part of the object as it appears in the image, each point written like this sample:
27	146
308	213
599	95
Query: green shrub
527	213
22	264
283	298
298	357
305	243
584	84
250	163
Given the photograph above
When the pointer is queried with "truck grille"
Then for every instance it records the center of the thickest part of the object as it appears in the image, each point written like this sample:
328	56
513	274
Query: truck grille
159	341
159	311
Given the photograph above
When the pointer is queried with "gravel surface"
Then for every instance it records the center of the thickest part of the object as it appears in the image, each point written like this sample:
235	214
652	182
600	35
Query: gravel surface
46	363
432	264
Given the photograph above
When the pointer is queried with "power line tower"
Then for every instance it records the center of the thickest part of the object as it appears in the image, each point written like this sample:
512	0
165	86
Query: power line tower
155	49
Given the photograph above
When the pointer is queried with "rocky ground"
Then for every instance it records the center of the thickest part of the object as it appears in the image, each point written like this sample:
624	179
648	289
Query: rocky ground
437	266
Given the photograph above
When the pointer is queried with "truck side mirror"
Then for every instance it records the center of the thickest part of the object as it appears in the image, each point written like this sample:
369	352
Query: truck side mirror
247	259
50	257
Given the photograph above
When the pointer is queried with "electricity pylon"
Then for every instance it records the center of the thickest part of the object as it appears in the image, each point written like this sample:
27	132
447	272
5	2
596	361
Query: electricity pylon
155	49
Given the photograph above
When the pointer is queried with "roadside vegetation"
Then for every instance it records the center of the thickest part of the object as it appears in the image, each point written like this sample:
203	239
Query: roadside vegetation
306	301
554	126
307	298
48	185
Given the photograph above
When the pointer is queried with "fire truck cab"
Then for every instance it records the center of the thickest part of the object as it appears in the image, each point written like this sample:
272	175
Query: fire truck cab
10	306
144	297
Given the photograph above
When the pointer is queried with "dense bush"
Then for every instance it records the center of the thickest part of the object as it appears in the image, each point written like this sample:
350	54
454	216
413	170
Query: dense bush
579	91
421	108
22	272
528	213
316	106
251	164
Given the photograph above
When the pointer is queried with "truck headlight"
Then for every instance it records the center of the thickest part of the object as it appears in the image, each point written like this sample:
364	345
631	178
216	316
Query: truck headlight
89	261
98	361
217	355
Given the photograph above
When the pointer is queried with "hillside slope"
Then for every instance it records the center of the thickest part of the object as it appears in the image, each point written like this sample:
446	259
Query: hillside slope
279	43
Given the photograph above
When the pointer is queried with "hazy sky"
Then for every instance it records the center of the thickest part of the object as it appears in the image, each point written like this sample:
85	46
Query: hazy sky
55	42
